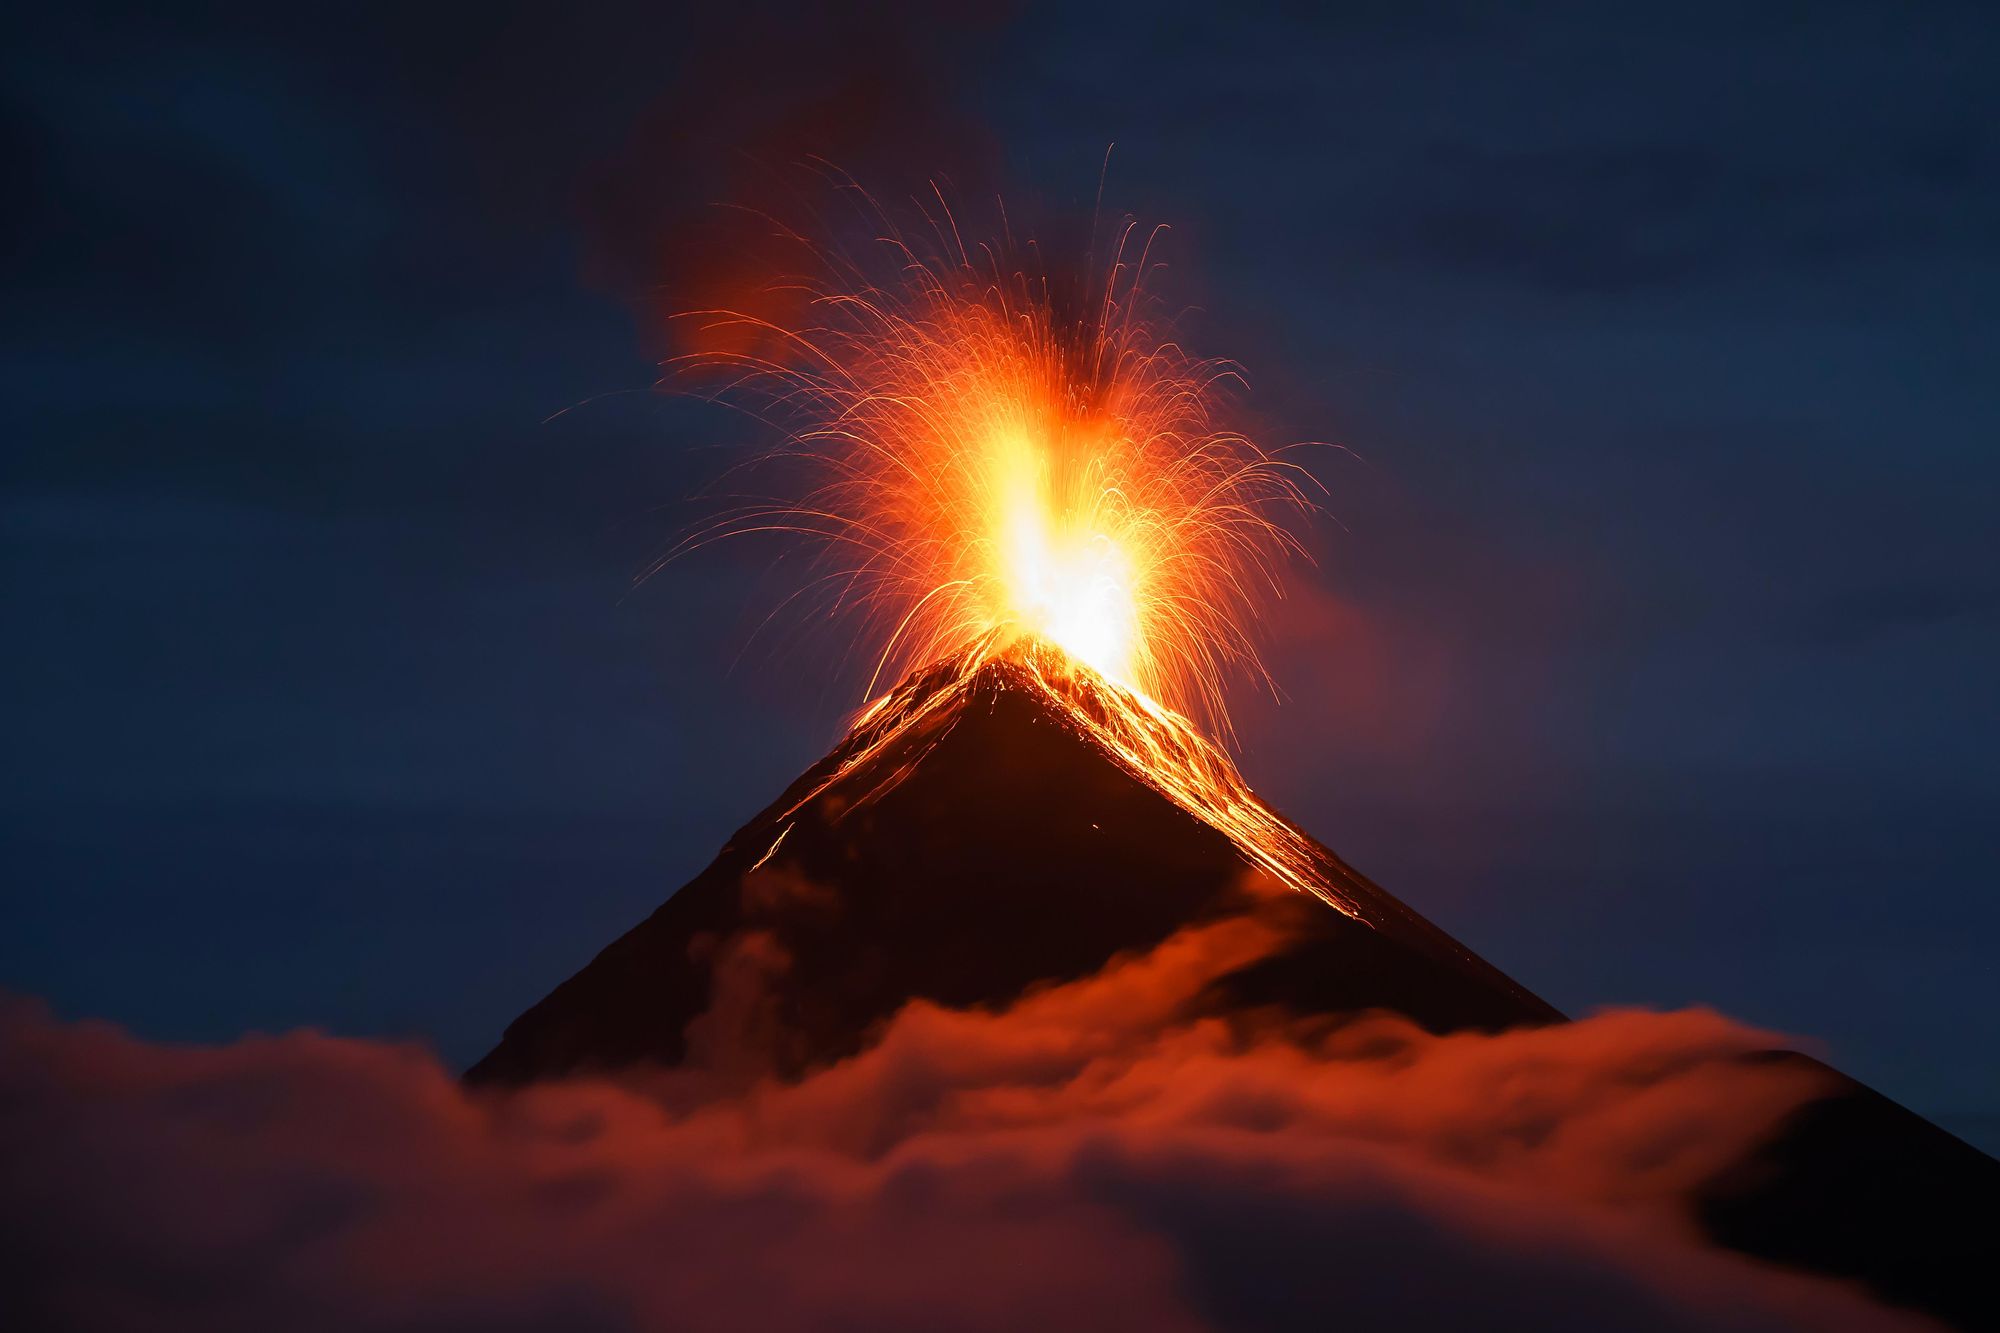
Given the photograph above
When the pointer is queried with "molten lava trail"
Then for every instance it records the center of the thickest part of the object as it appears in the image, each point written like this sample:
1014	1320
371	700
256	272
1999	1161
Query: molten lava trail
1154	744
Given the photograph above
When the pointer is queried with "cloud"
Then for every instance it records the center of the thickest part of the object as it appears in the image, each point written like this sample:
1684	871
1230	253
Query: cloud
1082	1159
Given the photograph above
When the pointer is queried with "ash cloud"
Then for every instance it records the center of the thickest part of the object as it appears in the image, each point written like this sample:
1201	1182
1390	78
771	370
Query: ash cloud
1080	1160
725	190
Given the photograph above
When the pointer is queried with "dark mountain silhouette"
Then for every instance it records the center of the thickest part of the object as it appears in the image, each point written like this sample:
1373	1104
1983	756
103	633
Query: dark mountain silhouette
970	840
987	830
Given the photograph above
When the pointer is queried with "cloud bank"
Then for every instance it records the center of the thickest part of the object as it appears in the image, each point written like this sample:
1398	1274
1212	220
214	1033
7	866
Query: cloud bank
1081	1160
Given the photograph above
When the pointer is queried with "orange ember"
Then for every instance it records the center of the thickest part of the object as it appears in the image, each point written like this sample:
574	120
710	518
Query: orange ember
982	468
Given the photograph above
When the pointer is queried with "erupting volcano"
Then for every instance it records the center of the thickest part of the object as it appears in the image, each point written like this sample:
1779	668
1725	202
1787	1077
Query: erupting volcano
1036	524
1051	534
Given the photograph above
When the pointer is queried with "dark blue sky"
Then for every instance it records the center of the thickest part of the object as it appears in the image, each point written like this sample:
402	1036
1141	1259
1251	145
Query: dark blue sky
1651	645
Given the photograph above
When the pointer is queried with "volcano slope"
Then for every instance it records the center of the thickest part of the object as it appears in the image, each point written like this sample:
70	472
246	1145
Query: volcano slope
1000	823
973	837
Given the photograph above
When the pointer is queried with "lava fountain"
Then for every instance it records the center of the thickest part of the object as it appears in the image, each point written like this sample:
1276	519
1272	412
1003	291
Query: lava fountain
990	466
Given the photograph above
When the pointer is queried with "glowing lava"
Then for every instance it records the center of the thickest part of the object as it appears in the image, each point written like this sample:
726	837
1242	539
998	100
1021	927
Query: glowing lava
1062	576
979	459
1154	744
993	472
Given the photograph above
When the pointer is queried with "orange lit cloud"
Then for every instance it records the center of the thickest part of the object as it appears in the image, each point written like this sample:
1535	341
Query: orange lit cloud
1089	1158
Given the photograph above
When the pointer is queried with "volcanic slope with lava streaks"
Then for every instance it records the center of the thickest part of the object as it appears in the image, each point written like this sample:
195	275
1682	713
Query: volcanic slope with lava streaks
1001	819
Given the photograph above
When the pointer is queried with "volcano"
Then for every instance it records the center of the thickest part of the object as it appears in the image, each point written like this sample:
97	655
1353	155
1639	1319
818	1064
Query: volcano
997	823
1009	819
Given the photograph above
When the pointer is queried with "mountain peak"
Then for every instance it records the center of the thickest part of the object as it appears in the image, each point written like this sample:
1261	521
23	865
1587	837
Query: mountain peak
999	819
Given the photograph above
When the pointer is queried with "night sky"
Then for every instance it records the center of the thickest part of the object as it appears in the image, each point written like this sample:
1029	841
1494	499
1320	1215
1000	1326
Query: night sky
1650	644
